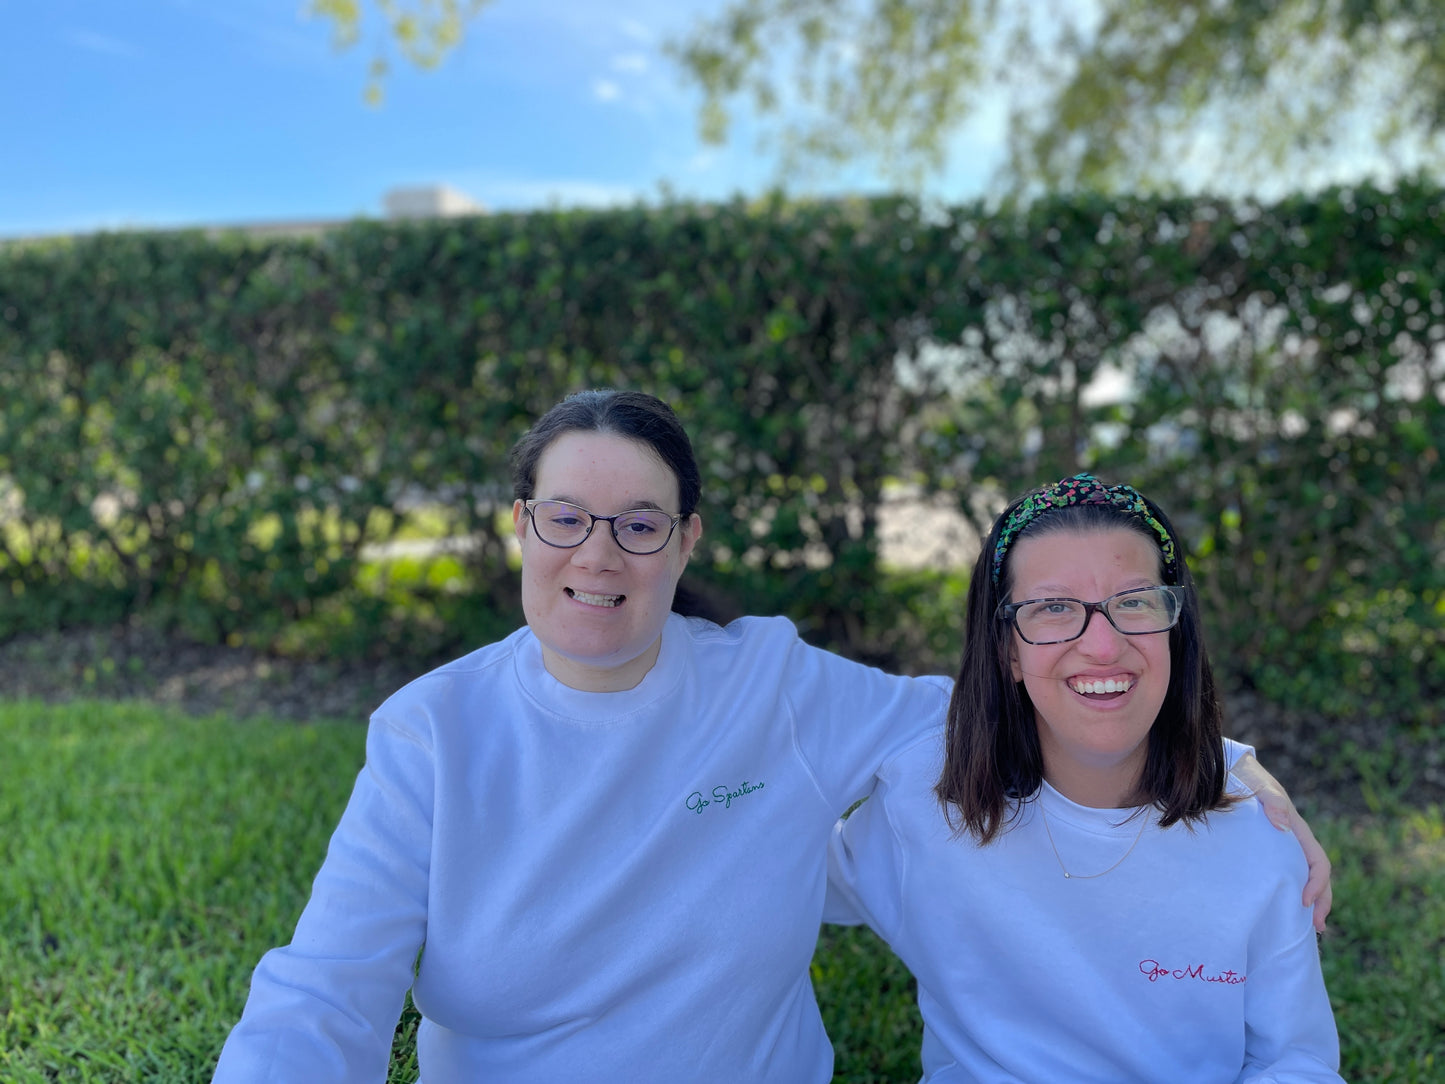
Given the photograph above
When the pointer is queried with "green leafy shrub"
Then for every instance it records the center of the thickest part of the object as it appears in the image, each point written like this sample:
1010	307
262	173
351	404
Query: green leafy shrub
231	436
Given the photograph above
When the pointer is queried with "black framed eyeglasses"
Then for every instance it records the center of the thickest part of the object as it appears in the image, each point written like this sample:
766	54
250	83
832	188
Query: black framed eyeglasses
639	531
1139	611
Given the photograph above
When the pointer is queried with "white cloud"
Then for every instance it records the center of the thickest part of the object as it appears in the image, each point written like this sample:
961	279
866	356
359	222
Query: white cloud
637	31
523	194
702	161
302	42
605	90
101	43
630	62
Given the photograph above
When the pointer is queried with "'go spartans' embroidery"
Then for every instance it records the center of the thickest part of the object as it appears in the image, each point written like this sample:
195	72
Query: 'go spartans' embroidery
726	795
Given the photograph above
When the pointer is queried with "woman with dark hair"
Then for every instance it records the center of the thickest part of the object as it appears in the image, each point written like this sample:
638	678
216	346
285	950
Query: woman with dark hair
1079	890
596	849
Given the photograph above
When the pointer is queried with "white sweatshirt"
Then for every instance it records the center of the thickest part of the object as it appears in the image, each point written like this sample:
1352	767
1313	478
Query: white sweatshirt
622	886
1191	961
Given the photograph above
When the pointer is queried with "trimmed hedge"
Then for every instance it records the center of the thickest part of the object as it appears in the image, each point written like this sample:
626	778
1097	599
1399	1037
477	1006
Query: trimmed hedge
210	431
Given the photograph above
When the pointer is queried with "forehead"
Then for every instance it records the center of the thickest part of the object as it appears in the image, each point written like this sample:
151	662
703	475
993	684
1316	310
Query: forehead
606	469
1092	559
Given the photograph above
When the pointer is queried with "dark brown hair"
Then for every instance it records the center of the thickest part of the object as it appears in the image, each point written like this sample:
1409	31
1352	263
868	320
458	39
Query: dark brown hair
631	414
993	762
649	421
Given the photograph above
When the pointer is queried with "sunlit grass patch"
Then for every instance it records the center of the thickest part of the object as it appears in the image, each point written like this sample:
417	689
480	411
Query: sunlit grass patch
147	860
150	858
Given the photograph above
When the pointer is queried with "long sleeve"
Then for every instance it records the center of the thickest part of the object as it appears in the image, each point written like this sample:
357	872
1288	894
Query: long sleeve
1290	1036
325	1007
866	857
630	879
850	719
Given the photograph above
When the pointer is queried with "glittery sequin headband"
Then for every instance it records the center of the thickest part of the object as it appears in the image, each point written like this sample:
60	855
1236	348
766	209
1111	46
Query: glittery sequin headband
1080	489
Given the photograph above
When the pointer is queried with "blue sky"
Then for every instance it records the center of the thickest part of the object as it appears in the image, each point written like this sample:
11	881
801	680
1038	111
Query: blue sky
189	112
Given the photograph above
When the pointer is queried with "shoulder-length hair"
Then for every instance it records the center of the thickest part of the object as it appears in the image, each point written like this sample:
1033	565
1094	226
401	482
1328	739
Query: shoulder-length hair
993	762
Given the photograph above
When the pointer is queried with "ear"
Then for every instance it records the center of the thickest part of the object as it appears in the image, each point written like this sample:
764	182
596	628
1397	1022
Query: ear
519	520
691	532
1013	657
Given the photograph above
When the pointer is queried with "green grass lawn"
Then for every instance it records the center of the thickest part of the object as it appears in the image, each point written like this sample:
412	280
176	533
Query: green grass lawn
148	859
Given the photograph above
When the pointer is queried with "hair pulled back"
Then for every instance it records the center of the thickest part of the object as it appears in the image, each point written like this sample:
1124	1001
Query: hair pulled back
631	414
649	421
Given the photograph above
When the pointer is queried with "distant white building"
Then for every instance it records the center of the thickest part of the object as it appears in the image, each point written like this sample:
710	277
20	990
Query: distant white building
429	201
422	201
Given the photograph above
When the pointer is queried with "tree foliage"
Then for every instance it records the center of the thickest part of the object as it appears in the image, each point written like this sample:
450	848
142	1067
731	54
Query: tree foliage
224	434
1120	93
885	80
1110	95
424	30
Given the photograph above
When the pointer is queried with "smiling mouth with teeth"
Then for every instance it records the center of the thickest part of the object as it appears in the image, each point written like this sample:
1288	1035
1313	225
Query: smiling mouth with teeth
1098	687
595	600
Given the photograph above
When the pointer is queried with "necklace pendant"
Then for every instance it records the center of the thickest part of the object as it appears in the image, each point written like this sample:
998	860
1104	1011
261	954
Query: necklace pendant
1066	875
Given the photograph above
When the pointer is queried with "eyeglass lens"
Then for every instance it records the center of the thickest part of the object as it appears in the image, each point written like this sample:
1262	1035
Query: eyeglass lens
1053	620
639	531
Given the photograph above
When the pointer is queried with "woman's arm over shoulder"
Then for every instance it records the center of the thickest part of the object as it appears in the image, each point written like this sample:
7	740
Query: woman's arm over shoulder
1318	893
850	717
867	853
324	1007
864	870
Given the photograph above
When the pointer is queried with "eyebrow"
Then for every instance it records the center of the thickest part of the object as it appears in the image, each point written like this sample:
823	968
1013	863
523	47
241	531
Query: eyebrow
1054	590
642	503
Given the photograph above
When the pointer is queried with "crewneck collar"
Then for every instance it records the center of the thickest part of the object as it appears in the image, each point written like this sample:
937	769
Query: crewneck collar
1090	818
602	709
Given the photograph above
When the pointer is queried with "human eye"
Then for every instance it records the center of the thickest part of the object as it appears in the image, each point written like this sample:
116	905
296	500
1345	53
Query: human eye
1145	600
1049	609
564	517
1148	609
640	524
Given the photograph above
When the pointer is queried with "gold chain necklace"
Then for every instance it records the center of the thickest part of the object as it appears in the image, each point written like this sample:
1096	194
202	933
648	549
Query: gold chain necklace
1144	823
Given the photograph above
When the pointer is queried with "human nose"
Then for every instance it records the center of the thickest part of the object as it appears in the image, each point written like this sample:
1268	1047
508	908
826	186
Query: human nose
599	549
1100	638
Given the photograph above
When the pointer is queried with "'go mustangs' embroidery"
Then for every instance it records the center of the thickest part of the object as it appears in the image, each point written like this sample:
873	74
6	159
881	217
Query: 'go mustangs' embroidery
1154	971
697	803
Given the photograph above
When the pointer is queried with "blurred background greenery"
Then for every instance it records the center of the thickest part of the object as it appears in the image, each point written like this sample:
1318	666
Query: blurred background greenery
294	450
300	444
286	455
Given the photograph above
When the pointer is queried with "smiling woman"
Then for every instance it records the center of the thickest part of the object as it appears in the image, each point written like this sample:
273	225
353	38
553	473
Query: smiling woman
597	600
559	819
1079	815
1095	691
555	825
